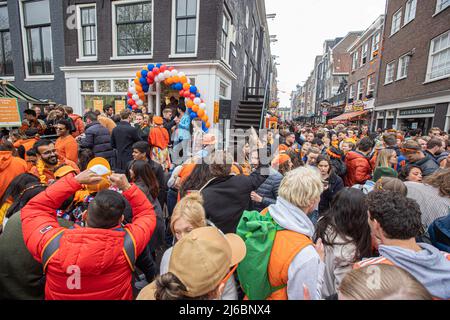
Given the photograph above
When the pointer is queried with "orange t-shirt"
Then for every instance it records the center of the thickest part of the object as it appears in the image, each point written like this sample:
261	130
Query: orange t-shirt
67	148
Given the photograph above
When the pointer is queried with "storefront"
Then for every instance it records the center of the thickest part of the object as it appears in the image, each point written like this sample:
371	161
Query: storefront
417	118
355	114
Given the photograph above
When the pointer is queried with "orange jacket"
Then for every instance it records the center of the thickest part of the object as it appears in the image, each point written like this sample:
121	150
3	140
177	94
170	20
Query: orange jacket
67	148
79	125
10	168
359	169
95	256
159	138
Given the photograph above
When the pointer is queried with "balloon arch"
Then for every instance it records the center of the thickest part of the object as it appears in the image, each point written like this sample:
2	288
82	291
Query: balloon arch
159	73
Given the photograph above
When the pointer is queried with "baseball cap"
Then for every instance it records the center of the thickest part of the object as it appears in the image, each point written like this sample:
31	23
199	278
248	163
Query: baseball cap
202	260
280	159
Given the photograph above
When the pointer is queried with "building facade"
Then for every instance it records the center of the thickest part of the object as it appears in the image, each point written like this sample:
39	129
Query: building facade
365	66
414	82
32	47
221	45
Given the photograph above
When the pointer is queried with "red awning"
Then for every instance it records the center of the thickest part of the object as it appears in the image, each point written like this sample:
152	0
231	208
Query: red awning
348	117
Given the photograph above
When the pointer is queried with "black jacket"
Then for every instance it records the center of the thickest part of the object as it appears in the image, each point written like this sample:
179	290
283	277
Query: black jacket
122	139
168	125
428	165
335	184
99	141
226	198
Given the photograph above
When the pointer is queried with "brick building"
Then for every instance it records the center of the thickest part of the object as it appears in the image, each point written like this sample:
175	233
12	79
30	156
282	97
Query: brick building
414	82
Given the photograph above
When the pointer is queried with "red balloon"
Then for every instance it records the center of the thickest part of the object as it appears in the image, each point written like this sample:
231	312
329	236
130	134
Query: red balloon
187	94
171	68
181	93
135	107
151	75
163	68
131	102
152	81
156	71
192	96
130	95
149	80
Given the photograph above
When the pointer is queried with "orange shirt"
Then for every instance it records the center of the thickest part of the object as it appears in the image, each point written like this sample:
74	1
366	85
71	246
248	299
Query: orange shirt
10	168
67	148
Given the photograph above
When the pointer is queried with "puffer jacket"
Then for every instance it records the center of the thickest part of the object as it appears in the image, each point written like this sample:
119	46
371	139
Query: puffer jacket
359	169
93	256
428	165
268	190
98	140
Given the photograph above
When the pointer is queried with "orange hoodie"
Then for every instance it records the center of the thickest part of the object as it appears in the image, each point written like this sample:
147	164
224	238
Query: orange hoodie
67	148
10	168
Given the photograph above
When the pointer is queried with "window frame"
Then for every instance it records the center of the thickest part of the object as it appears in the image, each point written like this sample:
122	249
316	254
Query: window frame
400	66
430	60
439	10
355	60
400	11
371	84
409	5
115	51
374	44
173	46
351	93
226	57
25	44
365	45
81	56
360	90
393	63
2	45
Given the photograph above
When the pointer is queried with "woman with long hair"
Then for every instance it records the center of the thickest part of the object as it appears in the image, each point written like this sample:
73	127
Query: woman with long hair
198	178
387	158
332	183
346	236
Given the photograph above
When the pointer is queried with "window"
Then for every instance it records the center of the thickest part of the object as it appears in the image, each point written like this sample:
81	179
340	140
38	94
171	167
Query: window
87	86
365	52
6	61
403	64
87	31
375	46
186	26
390	70
133	23
351	95
247	17
360	90
370	86
223	89
121	85
410	11
38	35
396	21
355	60
224	39
439	60
441	5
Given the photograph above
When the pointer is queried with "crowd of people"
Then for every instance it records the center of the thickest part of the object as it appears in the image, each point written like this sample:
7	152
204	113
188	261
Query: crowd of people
173	217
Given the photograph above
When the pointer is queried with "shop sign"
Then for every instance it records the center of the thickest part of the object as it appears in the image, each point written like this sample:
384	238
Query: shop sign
358	106
9	113
413	112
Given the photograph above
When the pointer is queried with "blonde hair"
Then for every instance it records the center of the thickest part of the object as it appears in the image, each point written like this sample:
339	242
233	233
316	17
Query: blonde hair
191	209
382	282
301	187
384	157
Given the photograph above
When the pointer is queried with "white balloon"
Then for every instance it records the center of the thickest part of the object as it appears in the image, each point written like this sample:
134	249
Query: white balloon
161	77
167	74
202	105
135	97
132	90
182	74
140	103
197	101
174	72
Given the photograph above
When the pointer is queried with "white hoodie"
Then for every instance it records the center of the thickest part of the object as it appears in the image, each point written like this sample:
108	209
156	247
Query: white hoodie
306	268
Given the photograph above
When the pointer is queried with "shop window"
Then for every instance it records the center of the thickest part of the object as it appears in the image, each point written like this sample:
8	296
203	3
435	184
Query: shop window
87	86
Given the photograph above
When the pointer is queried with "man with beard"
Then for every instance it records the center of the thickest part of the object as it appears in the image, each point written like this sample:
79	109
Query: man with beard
47	162
436	150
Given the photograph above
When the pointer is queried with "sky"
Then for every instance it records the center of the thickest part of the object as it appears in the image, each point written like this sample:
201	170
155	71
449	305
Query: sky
302	26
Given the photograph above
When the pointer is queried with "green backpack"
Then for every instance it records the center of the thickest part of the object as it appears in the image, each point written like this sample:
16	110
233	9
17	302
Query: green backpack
258	232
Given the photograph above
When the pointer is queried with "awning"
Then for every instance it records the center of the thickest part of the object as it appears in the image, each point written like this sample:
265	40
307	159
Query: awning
8	90
346	117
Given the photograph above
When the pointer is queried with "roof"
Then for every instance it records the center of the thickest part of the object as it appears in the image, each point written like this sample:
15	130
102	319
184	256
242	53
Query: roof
8	90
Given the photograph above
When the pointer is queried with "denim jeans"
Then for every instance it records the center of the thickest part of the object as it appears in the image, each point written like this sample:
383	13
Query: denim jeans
172	197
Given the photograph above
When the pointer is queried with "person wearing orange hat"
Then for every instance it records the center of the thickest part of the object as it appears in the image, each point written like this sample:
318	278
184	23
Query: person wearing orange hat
282	163
159	143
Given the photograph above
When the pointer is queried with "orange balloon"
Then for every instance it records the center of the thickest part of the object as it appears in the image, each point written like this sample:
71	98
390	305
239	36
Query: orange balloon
205	118
208	125
141	96
186	86
170	81
139	74
176	79
189	104
137	81
139	88
201	113
195	108
183	79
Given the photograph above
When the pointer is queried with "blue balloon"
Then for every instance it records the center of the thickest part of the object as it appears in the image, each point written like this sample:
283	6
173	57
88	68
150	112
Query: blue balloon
194	115
151	67
158	65
145	87
193	89
144	73
143	81
198	95
179	86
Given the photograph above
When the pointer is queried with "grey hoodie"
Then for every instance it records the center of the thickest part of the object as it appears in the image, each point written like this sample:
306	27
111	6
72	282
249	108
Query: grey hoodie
306	268
430	267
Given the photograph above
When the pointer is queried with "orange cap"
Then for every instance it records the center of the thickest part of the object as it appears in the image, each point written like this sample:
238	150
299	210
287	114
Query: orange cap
280	159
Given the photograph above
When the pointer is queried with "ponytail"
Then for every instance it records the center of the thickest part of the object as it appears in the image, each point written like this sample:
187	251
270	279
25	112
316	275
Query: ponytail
169	287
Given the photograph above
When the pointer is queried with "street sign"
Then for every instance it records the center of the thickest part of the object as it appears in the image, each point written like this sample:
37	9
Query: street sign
225	109
9	113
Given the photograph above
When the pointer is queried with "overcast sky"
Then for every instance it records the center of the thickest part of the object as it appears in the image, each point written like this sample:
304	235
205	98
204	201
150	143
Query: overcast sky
302	26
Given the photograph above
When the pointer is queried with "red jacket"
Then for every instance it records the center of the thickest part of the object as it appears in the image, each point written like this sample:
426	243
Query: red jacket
359	169
95	256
